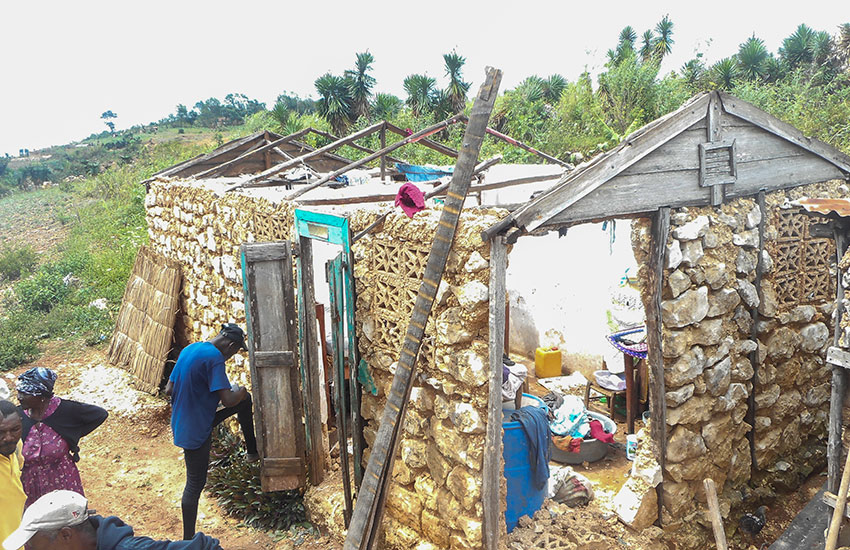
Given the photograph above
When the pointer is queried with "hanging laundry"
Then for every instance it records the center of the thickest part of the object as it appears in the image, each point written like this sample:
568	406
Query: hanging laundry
410	198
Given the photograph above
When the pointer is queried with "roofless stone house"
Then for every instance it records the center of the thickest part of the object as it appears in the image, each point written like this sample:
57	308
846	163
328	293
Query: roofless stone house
739	286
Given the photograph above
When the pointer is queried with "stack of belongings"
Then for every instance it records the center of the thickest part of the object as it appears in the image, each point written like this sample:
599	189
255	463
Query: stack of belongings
571	425
568	487
513	377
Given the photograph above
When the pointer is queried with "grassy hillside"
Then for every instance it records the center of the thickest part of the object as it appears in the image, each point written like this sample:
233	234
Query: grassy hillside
66	252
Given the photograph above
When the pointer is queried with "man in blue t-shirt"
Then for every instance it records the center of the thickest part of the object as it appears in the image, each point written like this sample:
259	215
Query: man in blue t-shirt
196	385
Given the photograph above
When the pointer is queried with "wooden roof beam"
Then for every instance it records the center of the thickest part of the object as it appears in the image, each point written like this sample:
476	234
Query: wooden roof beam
352	144
431	144
312	154
356	164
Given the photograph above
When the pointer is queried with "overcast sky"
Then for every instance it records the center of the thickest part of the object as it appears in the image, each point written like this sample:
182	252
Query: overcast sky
64	63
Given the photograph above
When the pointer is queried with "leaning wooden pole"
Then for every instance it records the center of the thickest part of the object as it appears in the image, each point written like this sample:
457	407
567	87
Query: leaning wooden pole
368	511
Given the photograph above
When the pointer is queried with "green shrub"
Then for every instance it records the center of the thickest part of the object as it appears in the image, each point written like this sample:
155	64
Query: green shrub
16	261
42	291
16	349
235	483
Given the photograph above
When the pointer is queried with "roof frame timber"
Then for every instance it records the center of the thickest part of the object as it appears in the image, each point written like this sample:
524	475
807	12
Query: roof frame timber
556	206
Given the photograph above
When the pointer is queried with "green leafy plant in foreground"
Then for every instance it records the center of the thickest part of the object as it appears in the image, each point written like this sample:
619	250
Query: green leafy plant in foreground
235	483
16	261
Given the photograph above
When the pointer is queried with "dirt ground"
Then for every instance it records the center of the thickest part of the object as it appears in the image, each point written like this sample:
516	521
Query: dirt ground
131	469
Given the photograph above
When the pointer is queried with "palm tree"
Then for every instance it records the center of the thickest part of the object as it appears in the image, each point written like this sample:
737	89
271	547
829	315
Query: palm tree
798	49
694	73
457	87
361	83
752	56
553	87
664	42
628	36
774	69
842	45
625	45
280	112
335	103
420	91
531	89
646	45
822	48
386	106
724	73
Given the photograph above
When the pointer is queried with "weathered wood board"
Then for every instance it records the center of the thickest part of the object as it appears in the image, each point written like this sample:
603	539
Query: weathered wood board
270	310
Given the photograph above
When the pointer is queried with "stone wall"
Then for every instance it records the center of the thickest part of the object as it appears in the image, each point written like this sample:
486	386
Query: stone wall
436	487
435	497
708	302
203	231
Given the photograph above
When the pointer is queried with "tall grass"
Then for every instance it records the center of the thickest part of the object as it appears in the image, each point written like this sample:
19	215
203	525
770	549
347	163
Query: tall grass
62	299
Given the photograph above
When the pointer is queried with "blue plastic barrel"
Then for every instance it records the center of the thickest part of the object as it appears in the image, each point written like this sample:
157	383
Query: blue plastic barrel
522	498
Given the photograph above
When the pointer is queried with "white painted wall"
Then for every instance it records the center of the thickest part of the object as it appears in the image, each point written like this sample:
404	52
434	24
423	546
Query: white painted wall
560	288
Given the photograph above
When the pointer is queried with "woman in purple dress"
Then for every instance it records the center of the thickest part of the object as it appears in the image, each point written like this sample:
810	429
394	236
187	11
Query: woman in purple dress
52	429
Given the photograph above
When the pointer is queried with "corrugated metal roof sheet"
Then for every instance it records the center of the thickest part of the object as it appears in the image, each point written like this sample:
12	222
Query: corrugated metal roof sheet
825	206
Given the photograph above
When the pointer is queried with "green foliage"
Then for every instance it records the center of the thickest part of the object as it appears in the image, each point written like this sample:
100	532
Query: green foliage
16	261
628	93
360	84
42	291
724	73
386	106
420	91
752	58
16	349
817	109
457	89
235	483
336	104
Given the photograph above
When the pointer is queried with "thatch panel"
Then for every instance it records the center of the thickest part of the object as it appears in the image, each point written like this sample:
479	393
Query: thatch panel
144	329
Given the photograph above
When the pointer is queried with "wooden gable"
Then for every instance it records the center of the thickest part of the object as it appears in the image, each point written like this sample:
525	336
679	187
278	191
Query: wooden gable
715	147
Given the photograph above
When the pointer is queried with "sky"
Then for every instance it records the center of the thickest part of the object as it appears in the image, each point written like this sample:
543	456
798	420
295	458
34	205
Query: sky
64	63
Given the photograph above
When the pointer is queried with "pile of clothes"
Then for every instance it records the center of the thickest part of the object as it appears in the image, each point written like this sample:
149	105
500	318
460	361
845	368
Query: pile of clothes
570	424
513	377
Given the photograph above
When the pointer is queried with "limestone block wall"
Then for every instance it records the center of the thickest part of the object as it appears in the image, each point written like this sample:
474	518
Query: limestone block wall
708	302
436	488
203	231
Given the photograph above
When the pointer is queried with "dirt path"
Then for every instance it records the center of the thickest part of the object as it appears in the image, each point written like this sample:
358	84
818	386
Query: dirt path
129	466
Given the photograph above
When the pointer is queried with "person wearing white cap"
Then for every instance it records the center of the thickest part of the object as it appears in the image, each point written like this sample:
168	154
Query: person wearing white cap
62	519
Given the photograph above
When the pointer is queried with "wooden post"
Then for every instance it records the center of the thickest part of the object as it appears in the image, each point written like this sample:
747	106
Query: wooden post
493	463
369	509
714	514
309	362
839	374
629	370
754	355
383	157
267	155
838	511
654	325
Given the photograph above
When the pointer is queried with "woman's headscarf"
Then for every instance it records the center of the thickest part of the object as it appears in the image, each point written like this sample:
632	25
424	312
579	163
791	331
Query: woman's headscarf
37	381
